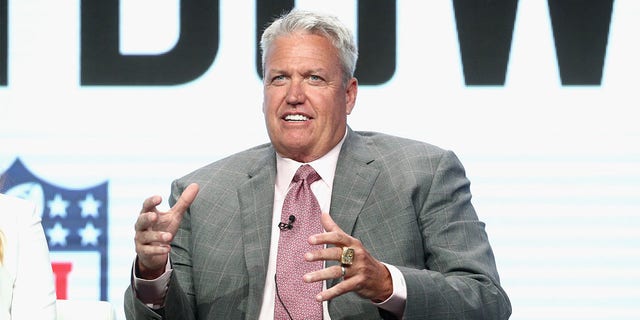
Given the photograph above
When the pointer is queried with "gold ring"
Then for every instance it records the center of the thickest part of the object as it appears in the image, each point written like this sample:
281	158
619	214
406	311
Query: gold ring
344	271
347	256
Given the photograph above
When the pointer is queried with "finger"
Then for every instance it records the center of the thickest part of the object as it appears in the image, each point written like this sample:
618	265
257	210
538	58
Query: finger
328	224
333	235
339	289
151	203
324	254
186	198
150	250
333	272
145	221
148	237
151	260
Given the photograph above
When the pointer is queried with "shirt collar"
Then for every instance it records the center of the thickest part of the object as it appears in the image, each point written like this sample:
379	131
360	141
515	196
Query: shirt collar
325	166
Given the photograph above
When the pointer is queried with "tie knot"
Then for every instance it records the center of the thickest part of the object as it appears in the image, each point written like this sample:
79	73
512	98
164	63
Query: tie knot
306	172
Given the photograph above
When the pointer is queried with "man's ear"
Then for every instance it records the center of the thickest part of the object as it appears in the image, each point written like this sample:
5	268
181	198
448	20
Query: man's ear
351	94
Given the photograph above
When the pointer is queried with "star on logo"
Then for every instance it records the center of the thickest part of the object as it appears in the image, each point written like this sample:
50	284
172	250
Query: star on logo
89	206
89	235
58	235
57	206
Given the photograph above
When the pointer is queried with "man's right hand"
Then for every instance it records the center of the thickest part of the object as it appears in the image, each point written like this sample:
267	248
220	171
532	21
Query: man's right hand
156	229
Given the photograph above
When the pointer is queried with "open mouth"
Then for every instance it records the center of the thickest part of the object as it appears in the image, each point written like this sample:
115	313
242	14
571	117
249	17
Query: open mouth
296	117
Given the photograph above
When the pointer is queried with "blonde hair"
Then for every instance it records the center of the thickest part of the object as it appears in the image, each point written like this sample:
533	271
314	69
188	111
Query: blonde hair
1	247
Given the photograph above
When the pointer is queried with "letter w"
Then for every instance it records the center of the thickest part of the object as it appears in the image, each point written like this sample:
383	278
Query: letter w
580	30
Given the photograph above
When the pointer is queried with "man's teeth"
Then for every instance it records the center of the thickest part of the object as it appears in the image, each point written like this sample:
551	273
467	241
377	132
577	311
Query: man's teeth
296	117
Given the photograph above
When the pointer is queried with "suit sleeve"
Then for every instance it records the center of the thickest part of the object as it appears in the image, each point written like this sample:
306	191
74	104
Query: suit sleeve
179	301
460	279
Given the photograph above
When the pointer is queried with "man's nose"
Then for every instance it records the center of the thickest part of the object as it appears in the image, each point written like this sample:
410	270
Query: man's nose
296	95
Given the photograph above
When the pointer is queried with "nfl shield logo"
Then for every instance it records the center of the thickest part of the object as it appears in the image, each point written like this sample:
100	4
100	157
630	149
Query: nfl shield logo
75	224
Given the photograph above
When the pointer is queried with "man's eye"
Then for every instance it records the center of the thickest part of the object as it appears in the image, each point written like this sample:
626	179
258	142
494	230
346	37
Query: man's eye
278	79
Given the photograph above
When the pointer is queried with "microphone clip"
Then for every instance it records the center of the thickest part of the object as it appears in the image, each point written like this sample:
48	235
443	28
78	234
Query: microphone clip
287	225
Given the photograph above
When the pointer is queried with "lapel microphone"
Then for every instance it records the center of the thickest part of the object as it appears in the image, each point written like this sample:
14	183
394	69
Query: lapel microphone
287	225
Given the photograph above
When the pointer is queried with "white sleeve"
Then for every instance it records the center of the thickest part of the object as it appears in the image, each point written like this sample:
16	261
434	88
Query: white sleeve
34	294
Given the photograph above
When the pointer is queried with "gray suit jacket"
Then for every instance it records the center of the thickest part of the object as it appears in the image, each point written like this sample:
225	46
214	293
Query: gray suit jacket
408	202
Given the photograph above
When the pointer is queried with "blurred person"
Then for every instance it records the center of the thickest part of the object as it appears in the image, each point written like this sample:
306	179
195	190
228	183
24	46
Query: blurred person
398	236
27	288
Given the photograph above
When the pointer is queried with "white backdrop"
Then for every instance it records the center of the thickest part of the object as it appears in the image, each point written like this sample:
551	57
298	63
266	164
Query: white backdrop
555	170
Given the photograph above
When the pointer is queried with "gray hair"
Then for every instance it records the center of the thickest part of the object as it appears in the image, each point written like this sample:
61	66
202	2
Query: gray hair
319	24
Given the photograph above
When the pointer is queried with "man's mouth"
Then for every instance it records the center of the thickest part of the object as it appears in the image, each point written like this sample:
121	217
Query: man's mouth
295	117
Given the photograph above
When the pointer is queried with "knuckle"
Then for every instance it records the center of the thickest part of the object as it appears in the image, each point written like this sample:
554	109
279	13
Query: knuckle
138	237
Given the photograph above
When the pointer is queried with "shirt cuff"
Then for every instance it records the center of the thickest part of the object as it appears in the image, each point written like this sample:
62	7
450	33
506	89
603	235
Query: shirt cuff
396	302
152	292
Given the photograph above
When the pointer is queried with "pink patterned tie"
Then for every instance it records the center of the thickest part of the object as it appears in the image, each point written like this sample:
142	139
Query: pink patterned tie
295	299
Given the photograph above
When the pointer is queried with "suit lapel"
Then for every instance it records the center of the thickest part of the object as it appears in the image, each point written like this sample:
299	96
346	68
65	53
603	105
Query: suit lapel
353	181
256	206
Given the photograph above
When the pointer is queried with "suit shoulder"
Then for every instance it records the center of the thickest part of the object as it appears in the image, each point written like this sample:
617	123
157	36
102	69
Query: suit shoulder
15	205
17	212
236	164
404	160
389	145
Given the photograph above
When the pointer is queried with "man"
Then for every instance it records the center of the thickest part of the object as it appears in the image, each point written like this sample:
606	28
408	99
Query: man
398	235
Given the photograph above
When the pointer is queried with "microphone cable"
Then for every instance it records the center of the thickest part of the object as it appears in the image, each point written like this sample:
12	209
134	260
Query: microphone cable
275	279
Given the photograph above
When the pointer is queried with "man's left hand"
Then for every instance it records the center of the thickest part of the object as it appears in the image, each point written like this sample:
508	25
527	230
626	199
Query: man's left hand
366	276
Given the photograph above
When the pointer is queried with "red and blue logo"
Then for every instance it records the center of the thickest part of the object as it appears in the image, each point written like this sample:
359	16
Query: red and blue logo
75	223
